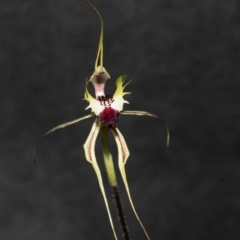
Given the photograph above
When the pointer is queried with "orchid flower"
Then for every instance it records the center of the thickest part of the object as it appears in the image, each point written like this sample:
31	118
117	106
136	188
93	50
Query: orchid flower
106	109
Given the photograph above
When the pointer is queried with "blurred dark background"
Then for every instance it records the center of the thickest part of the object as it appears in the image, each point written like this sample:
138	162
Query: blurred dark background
183	58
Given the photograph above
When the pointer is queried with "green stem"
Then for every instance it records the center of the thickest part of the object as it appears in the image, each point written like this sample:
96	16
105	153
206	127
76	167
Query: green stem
108	161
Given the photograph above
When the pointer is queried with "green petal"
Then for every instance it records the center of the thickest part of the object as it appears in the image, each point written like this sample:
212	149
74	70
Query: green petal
123	154
143	113
58	127
89	148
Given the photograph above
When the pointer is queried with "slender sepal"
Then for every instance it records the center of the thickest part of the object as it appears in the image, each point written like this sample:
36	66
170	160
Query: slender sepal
89	148
100	74
99	58
123	154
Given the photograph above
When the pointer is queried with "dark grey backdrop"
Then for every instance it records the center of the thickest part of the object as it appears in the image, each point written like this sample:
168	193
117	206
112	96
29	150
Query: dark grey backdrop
183	59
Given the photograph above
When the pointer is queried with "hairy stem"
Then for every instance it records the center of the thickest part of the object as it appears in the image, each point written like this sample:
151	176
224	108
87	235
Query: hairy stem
120	212
108	161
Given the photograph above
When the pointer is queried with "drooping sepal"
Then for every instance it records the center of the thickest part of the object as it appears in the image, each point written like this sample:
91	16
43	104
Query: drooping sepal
89	148
123	154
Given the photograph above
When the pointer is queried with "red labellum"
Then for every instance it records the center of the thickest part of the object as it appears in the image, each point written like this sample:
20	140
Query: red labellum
108	117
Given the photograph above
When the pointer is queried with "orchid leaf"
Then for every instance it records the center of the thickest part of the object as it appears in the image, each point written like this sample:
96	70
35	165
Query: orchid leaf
123	154
143	113
89	148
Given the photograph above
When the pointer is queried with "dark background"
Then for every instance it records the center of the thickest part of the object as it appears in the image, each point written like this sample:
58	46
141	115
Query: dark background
183	58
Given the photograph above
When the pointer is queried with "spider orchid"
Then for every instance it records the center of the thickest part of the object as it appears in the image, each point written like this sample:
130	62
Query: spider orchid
105	109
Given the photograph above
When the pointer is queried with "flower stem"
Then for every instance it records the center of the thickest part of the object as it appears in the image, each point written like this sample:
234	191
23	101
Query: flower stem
120	212
108	161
